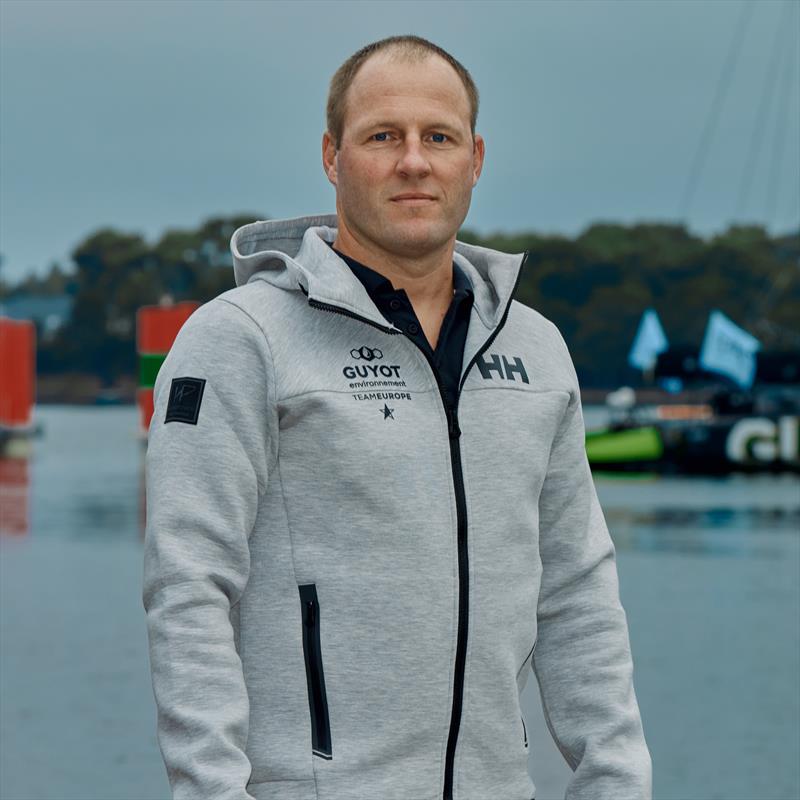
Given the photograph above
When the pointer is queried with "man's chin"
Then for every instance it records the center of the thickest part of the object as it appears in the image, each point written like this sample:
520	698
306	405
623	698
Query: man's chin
417	238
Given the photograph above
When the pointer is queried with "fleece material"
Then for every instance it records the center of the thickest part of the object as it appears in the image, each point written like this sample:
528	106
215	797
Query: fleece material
347	580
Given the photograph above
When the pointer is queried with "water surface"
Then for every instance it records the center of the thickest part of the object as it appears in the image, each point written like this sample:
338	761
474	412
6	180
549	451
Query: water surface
709	572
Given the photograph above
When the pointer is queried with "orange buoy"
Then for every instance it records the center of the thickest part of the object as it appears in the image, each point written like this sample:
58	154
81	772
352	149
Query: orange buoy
156	329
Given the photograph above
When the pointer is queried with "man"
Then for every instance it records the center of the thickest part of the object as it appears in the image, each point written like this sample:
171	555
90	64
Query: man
370	512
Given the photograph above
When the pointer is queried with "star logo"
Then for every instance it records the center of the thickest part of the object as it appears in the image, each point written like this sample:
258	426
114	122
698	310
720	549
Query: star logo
387	412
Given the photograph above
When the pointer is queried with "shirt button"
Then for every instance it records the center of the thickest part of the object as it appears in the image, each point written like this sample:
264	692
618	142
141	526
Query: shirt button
394	304
413	328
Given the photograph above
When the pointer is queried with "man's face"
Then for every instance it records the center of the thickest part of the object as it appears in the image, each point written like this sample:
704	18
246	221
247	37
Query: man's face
406	131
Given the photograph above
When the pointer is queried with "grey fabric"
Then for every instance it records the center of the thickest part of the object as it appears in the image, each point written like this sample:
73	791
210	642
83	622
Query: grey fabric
294	475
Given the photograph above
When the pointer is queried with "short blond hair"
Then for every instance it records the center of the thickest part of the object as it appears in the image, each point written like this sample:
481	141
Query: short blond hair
411	48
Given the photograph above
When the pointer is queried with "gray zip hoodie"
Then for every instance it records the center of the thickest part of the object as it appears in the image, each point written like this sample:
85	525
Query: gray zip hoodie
347	583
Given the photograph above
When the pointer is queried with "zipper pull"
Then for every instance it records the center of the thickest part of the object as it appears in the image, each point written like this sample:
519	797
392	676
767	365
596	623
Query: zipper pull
452	423
310	614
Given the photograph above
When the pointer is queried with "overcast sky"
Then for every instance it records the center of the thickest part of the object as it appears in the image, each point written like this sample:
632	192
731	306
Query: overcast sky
149	115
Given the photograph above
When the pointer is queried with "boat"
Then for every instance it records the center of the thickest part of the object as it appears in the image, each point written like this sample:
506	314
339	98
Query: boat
746	420
758	431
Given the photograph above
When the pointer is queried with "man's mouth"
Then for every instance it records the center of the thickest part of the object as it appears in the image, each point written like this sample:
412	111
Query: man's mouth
413	199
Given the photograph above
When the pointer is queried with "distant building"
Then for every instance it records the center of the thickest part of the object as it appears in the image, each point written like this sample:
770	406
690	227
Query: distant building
48	312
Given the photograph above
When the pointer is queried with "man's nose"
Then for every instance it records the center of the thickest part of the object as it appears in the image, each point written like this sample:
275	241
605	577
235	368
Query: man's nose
413	160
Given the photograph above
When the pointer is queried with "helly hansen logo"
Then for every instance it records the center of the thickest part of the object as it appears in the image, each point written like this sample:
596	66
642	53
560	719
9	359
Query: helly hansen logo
501	367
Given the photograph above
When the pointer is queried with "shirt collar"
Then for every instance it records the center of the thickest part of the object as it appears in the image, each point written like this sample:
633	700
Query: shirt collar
377	284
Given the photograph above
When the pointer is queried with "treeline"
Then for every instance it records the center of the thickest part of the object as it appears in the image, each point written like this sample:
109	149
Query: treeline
594	287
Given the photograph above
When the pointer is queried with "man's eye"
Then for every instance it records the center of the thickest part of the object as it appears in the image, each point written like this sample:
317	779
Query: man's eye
376	135
440	141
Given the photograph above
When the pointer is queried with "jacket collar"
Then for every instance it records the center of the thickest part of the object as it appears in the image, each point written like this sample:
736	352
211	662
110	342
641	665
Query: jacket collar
292	254
379	286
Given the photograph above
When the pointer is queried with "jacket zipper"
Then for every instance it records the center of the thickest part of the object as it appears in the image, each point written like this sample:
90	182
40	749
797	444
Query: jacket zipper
344	312
454	432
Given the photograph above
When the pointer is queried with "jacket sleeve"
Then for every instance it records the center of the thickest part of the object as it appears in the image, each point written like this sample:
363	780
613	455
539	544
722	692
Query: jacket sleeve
204	480
582	656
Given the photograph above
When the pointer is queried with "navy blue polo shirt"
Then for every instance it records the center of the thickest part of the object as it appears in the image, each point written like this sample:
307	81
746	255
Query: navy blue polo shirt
396	307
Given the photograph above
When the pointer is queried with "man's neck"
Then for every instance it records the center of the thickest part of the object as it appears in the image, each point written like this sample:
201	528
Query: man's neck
427	280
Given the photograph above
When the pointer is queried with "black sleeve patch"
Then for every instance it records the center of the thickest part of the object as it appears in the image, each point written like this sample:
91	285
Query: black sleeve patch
185	395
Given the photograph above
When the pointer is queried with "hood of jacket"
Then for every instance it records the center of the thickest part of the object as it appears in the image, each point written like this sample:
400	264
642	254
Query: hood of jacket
292	254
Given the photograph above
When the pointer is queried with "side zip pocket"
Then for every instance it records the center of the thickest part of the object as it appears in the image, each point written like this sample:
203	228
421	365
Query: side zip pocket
524	733
315	677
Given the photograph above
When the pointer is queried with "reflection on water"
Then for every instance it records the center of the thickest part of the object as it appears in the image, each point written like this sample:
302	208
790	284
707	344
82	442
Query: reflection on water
712	531
14	496
736	518
708	576
728	516
691	542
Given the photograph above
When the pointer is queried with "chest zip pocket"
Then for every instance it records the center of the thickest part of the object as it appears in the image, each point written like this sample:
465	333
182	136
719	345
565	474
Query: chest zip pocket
524	733
315	677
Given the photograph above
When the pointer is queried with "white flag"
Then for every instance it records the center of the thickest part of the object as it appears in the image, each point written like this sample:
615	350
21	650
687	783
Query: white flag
650	340
728	349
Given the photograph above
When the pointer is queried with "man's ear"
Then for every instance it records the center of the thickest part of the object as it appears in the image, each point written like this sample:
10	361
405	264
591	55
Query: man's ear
478	152
329	157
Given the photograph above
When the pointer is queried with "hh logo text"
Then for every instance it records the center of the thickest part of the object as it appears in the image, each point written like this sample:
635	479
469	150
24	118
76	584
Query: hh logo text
501	367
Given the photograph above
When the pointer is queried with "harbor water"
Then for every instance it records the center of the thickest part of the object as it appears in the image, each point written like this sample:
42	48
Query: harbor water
709	575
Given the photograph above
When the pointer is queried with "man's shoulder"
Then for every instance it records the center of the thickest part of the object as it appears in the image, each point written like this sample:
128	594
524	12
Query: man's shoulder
529	321
544	343
258	300
230	318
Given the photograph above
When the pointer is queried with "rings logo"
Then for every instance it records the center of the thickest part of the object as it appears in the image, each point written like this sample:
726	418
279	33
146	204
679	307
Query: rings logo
380	376
367	353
